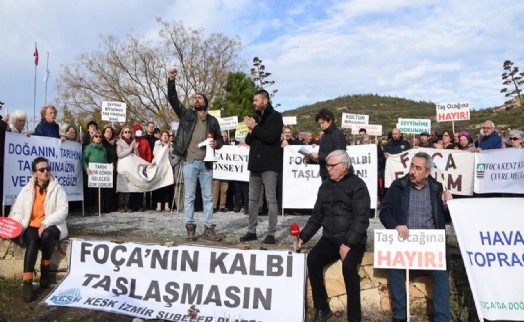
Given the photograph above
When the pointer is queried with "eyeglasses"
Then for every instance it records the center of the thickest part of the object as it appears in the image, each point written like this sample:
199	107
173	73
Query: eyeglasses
486	127
126	132
96	136
514	139
332	165
42	170
443	135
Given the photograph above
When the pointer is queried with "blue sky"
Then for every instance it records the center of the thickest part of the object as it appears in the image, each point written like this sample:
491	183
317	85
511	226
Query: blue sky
440	51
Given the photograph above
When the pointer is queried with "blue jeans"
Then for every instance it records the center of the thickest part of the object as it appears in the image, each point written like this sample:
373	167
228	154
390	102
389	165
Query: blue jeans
397	286
193	171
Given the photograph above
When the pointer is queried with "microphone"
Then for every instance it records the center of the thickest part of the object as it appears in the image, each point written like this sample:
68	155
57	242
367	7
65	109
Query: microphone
294	230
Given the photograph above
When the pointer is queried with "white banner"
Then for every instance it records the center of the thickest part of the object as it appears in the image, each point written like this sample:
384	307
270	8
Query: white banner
452	112
350	119
100	176
228	123
301	179
414	126
114	111
137	175
231	163
500	170
452	168
65	161
490	235
424	249
159	282
371	129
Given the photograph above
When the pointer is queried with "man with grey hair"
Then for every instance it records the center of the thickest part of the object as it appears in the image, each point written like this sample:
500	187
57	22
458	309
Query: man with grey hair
417	201
342	210
491	139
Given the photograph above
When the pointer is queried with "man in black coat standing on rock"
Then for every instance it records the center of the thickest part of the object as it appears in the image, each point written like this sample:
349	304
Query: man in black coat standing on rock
342	210
265	161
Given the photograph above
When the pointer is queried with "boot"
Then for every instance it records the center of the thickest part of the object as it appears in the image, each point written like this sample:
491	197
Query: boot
158	206
166	207
44	276
191	228
209	233
27	292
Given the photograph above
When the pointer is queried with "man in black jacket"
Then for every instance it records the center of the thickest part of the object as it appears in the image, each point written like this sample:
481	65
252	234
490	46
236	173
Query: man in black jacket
265	161
342	210
196	125
417	201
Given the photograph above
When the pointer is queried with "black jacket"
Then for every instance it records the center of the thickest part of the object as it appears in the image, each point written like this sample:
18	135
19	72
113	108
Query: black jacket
188	118
395	147
332	139
265	153
342	209
394	208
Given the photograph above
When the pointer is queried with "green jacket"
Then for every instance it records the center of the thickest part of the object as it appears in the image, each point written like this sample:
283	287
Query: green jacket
94	153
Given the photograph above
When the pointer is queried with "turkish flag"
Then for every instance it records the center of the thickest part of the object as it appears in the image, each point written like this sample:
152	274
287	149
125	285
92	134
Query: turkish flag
36	56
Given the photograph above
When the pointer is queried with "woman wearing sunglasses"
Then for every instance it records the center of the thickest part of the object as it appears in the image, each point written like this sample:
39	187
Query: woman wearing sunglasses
41	209
93	153
516	139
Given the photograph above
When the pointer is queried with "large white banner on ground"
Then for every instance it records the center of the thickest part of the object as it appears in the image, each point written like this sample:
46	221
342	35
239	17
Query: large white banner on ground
490	235
65	161
231	163
300	181
452	168
137	175
159	282
500	170
424	249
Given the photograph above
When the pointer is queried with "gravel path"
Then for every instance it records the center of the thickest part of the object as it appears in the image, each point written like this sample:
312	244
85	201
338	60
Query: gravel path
161	227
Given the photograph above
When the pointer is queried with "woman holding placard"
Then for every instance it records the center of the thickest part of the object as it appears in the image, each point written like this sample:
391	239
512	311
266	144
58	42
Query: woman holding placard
41	209
93	153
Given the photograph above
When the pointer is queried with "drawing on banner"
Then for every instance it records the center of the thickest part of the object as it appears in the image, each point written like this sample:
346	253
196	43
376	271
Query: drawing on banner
114	111
452	112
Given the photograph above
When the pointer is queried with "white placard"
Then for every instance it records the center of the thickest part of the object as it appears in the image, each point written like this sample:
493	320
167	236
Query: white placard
174	126
371	129
65	161
228	123
159	282
350	119
490	234
414	126
100	176
424	249
231	163
289	120
114	111
452	112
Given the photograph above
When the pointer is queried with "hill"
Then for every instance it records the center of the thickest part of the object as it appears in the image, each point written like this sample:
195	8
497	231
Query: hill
386	110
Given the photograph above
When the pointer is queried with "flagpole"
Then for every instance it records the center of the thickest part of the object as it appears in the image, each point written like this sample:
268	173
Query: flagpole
46	77
34	91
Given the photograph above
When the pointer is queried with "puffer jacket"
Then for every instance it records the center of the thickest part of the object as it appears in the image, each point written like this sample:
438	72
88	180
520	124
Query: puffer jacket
55	206
342	210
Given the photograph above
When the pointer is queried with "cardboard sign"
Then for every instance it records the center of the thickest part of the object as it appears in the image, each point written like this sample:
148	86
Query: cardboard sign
101	175
349	119
289	120
423	249
9	228
452	112
228	123
114	111
414	126
371	129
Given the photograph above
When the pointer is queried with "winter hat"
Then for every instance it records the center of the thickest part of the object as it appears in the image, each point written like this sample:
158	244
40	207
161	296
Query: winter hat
138	127
205	99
